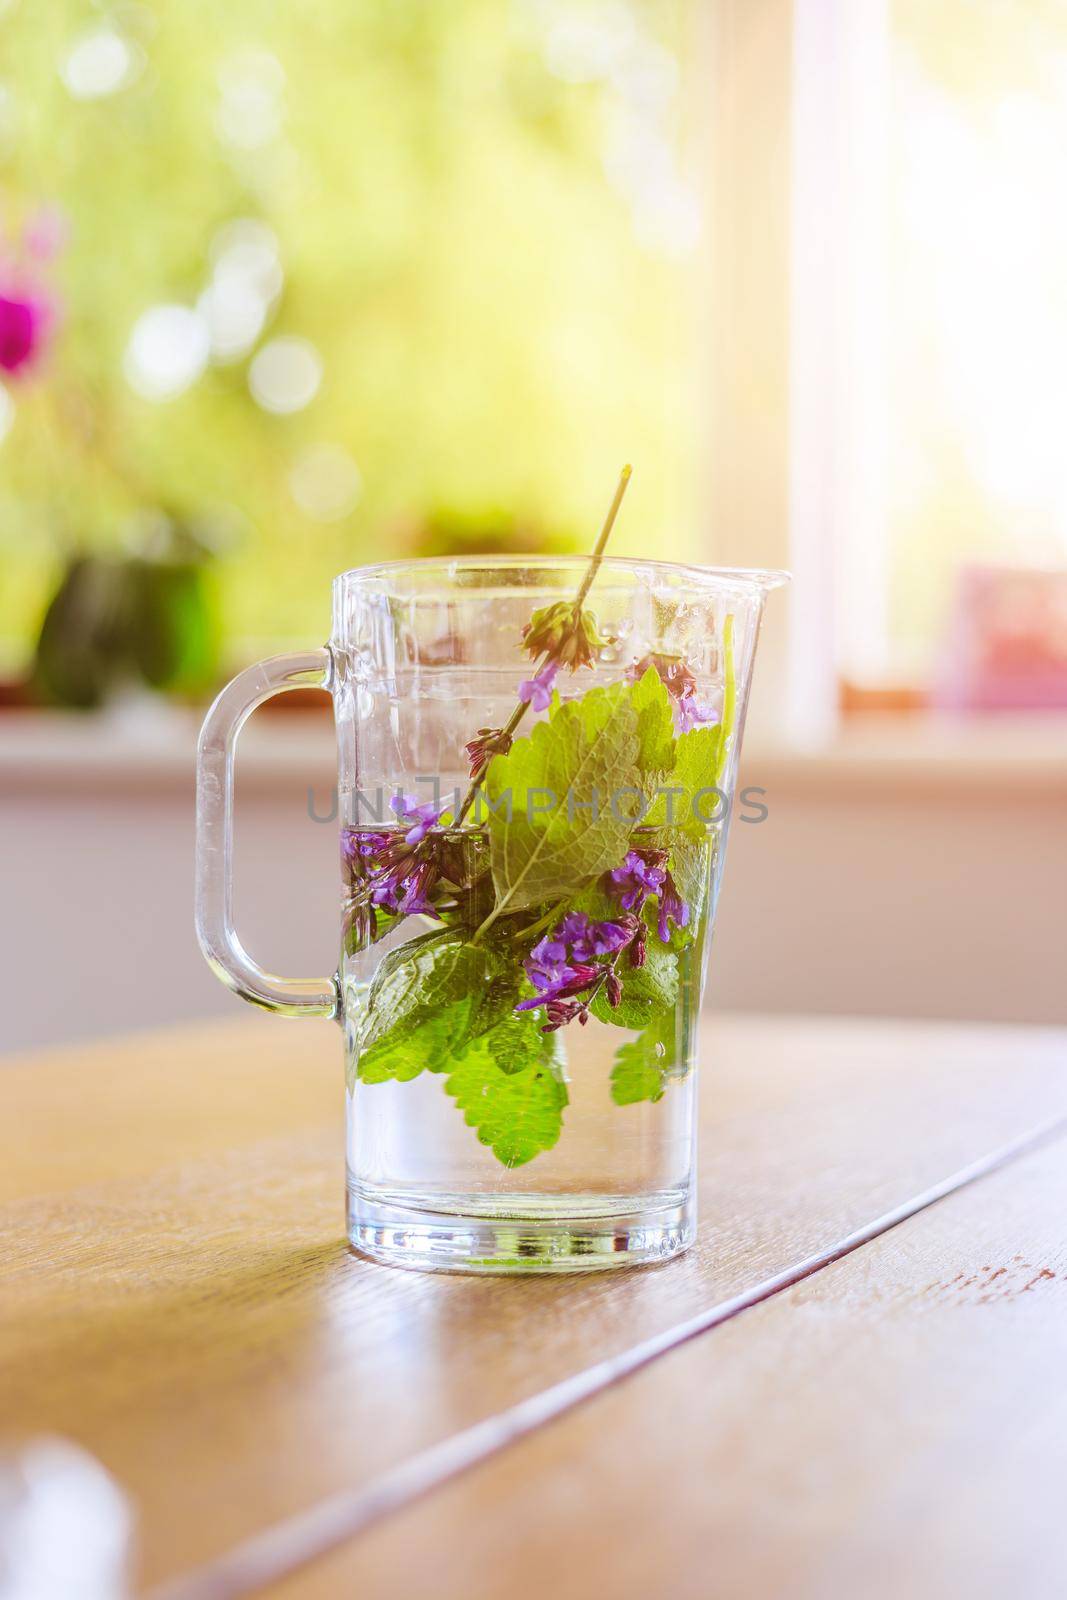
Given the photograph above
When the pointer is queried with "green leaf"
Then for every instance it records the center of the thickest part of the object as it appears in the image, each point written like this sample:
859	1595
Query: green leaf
701	759
423	1046
429	994
509	1086
690	864
696	769
655	723
586	751
513	1044
643	1065
645	990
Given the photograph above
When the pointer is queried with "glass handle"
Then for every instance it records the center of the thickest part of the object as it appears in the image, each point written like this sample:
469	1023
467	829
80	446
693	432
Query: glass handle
223	951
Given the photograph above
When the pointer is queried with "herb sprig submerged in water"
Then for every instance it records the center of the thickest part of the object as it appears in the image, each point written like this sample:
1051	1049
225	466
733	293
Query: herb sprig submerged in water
546	918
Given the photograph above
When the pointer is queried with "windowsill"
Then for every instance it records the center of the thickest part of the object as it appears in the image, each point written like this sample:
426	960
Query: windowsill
155	746
927	749
151	746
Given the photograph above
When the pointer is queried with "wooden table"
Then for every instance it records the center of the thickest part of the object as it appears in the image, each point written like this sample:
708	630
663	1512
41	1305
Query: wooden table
853	1385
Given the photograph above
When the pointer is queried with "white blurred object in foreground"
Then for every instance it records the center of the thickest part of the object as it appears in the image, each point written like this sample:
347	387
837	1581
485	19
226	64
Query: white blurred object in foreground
65	1526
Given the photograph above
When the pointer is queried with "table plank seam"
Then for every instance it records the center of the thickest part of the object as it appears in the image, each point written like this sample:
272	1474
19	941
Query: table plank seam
282	1548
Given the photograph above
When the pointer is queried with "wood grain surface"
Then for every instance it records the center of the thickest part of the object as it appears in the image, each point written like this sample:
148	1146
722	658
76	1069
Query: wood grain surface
178	1296
894	1426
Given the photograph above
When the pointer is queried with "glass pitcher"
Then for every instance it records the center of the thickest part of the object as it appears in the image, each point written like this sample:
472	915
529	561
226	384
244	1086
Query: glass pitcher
534	801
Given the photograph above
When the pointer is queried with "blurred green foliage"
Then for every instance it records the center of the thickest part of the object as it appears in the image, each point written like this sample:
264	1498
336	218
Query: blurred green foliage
148	618
498	327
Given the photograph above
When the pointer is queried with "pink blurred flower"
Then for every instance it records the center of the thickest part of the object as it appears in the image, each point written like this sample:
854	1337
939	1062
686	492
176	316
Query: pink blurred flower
46	233
24	322
28	309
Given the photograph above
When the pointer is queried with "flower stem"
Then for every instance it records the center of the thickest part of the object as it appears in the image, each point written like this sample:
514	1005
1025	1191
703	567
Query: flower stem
605	534
542	922
587	583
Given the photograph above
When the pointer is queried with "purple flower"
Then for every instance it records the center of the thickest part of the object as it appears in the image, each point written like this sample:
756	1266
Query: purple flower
396	871
601	939
546	965
554	976
672	908
690	714
575	926
558	983
680	681
588	939
413	901
643	874
537	691
608	937
640	875
417	819
387	890
403	888
357	845
564	966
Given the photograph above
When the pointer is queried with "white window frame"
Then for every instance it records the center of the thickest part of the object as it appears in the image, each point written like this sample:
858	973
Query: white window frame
797	473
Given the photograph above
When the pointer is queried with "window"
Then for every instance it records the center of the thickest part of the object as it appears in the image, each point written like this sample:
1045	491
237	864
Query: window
932	262
347	280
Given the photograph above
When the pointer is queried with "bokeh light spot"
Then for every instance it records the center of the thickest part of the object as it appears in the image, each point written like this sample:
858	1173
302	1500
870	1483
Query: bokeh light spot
248	249
325	482
250	110
8	118
7	413
168	349
285	375
234	317
246	281
99	63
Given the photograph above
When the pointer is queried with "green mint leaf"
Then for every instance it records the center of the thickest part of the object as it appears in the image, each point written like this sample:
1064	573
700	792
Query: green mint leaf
690	864
501	992
643	1065
414	1047
509	1085
586	751
696	769
428	995
513	1044
655	723
700	762
645	990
